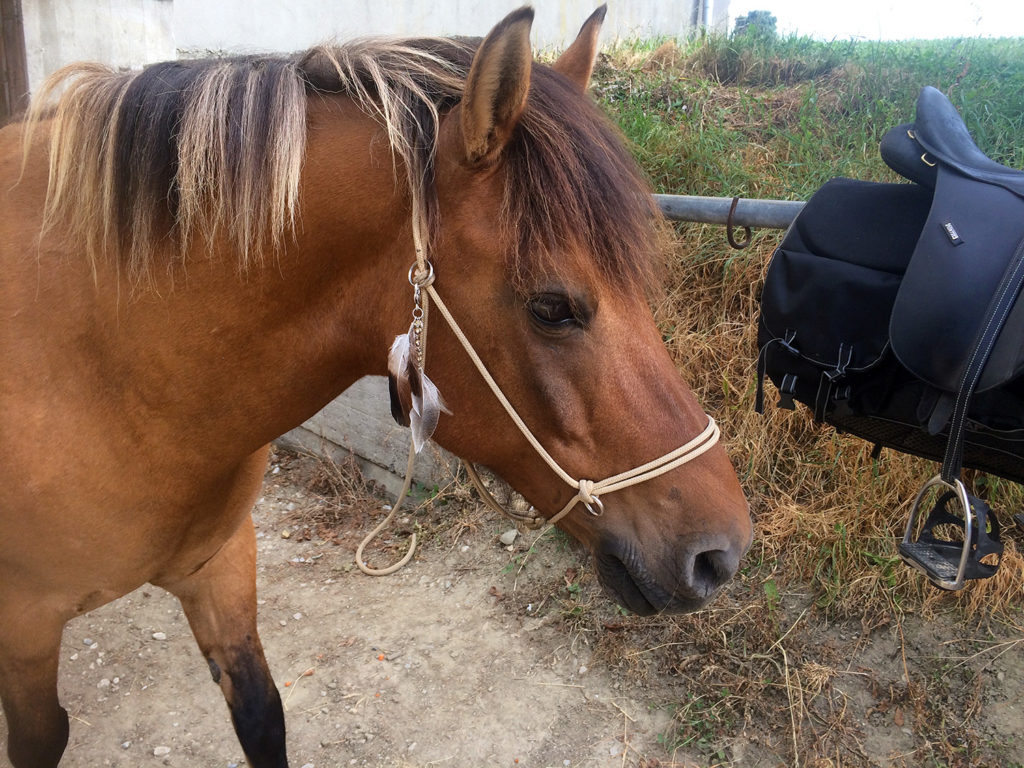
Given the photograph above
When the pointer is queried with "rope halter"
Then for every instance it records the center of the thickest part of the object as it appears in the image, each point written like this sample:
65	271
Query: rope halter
588	492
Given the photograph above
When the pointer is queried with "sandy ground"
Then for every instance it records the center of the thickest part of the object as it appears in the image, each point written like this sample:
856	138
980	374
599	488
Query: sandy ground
438	665
424	667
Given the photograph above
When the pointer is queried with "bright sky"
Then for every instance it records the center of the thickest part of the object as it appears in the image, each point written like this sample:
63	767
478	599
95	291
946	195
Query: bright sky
891	19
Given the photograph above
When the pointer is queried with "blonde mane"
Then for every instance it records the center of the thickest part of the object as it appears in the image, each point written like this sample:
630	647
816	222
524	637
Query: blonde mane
143	163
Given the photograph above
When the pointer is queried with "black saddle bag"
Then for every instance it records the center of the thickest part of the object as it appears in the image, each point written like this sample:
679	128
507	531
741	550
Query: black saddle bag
824	331
891	310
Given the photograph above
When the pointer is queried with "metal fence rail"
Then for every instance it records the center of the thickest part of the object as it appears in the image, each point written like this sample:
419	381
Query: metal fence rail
765	214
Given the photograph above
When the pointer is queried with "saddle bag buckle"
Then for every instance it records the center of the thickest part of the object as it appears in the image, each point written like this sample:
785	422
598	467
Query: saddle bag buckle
948	563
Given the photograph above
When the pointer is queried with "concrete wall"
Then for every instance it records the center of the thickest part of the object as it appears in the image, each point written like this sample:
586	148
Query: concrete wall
246	26
122	33
359	423
130	33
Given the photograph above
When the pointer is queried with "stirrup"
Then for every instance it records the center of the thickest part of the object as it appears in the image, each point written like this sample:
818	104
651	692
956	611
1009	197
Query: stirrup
950	564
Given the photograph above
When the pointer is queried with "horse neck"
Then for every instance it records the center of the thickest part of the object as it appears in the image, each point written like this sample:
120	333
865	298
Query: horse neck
240	359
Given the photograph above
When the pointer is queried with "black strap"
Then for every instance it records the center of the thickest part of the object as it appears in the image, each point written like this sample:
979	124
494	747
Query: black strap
1005	298
762	364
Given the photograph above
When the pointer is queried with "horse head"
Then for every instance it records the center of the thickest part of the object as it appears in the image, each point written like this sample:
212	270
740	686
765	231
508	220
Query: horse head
543	253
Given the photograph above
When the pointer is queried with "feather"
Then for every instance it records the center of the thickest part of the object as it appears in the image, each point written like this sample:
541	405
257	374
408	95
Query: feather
399	355
415	399
426	412
398	379
398	412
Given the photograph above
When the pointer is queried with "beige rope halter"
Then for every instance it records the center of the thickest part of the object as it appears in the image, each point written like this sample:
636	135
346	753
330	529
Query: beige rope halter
588	492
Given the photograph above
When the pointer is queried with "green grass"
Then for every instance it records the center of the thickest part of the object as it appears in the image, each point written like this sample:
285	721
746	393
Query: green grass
776	117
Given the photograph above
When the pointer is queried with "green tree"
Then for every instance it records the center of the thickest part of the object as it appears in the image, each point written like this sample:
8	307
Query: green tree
761	23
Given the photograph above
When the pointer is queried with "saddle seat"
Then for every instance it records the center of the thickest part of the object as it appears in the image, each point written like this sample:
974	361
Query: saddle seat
942	132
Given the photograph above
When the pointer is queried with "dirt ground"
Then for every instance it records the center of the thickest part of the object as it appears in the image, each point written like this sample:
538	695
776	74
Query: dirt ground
480	655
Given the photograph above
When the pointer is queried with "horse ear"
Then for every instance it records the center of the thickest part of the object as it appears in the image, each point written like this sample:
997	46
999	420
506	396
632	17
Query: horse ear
496	88
577	61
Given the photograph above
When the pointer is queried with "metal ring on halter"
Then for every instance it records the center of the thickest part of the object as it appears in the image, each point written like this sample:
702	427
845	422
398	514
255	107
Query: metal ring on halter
426	280
598	503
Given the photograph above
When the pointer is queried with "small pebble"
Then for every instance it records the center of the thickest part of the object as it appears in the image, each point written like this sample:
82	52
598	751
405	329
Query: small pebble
161	751
104	683
87	641
159	636
508	537
296	616
125	744
286	534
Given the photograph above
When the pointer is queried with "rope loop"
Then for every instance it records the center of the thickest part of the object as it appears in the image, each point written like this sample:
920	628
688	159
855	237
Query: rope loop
587	491
421	275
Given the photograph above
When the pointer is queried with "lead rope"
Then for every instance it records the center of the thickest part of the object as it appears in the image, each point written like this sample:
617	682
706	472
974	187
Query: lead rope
421	275
588	492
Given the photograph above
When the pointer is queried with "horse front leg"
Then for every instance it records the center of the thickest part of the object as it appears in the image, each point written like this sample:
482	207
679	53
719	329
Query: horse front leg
220	603
37	725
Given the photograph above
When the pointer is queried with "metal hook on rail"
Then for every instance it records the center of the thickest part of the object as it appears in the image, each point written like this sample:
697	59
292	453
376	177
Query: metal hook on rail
739	245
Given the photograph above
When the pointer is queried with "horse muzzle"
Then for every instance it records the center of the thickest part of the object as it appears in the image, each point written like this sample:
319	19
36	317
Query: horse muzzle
689	577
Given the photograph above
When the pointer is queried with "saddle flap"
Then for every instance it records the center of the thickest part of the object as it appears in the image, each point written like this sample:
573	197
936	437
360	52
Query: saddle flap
943	304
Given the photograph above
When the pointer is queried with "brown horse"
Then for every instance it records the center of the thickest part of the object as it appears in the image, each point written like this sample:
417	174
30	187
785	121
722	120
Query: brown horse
197	257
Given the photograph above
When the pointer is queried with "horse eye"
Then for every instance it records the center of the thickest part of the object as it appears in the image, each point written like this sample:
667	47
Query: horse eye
553	311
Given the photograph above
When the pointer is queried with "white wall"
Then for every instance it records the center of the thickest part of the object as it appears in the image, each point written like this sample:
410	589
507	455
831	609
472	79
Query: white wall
127	34
122	33
242	26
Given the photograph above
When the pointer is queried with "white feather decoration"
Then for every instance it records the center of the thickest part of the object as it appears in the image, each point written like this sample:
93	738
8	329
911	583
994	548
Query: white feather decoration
398	357
427	405
408	384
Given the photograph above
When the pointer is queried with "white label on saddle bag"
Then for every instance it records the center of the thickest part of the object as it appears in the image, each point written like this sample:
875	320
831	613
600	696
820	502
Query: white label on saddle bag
952	234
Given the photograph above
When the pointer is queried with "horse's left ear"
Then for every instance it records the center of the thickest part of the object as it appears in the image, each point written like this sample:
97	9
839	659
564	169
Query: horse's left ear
577	61
496	87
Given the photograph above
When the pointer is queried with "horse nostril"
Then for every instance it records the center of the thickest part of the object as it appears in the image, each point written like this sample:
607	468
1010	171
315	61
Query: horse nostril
710	569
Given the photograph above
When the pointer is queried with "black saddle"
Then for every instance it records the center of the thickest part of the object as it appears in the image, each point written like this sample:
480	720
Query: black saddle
892	310
966	246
